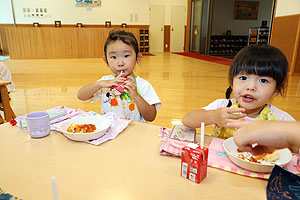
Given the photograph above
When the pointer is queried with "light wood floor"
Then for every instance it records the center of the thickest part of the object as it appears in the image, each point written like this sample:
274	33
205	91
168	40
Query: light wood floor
182	83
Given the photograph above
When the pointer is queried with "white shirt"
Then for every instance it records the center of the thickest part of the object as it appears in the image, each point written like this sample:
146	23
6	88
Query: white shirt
279	114
125	107
5	75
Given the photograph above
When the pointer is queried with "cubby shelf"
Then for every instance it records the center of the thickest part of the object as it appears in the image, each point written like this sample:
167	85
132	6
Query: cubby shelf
258	35
227	45
144	40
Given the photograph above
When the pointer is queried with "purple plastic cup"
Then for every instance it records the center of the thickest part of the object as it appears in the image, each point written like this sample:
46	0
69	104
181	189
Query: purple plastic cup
38	124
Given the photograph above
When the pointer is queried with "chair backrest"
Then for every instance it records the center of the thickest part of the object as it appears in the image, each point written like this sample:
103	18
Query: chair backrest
5	75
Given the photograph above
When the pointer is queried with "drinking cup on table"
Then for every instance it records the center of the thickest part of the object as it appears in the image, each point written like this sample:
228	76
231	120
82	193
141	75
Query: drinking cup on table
38	124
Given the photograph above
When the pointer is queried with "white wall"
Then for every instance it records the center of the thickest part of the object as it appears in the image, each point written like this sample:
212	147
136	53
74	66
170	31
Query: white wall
287	7
223	17
6	12
168	5
117	11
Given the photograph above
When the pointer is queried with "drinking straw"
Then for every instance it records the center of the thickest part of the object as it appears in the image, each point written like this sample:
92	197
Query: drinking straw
54	188
202	135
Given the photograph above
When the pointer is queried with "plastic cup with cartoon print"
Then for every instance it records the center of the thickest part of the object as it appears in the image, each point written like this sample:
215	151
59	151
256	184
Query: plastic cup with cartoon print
38	124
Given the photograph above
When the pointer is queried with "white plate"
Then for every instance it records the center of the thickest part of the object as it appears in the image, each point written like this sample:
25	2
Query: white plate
285	157
102	125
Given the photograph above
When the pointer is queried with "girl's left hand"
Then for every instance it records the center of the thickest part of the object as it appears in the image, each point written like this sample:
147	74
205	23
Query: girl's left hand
130	86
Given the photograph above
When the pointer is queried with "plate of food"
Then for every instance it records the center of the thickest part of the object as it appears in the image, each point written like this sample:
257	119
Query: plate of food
85	128
263	163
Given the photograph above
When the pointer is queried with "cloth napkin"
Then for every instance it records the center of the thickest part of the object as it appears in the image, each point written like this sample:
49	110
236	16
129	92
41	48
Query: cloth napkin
168	146
217	158
116	127
70	112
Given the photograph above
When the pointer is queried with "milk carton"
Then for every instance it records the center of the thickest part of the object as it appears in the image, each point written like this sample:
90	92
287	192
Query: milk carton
194	162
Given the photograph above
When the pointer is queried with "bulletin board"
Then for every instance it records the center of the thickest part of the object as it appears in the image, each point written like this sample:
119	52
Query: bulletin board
88	3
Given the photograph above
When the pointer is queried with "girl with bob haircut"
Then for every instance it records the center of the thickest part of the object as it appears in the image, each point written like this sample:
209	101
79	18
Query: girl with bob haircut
257	74
123	92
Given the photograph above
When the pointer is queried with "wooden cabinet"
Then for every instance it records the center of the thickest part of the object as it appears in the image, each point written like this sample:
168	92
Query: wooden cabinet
144	40
51	42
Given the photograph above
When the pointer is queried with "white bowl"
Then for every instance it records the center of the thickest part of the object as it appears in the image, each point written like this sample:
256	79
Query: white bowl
102	125
230	148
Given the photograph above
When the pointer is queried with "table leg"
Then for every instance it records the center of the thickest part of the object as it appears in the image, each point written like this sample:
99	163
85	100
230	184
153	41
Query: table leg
8	112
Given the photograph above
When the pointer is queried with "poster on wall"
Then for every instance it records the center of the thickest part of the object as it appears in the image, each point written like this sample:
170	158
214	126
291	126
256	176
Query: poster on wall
245	10
88	3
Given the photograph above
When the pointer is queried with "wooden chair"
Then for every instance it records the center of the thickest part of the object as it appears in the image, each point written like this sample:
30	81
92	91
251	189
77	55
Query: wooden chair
1	119
5	105
1	46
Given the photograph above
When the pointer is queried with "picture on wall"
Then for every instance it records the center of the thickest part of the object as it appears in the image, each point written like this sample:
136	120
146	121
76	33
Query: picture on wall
245	10
88	3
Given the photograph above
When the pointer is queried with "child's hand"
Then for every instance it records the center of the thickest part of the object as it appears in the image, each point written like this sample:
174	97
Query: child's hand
113	82
130	86
226	115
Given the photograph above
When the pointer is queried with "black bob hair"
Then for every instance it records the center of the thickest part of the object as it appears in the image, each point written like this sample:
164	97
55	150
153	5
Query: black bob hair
126	37
261	60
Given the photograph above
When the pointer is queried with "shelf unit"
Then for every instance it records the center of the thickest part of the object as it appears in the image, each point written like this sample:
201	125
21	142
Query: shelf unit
144	40
227	45
258	35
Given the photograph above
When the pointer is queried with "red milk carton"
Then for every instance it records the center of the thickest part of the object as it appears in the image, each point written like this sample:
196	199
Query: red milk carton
194	162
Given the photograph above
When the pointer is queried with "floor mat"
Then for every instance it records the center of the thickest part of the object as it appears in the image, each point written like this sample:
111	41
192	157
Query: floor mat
207	58
148	54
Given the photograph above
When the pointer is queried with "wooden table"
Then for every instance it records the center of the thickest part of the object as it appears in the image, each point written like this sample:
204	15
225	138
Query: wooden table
8	112
128	167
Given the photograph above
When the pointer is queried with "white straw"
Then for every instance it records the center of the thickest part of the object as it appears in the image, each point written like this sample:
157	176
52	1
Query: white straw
54	188
202	135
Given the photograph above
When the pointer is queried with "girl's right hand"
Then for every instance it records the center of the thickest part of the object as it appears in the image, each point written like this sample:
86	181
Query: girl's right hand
226	115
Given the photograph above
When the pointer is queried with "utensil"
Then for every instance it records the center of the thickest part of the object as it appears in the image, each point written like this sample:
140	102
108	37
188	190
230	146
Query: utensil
54	188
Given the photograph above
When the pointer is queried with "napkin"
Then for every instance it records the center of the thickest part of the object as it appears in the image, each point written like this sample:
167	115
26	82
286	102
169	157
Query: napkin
169	146
57	114
283	184
217	158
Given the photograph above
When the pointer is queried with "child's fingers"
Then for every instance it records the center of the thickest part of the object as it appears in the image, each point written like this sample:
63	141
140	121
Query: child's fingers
119	76
260	150
130	78
237	116
236	110
237	124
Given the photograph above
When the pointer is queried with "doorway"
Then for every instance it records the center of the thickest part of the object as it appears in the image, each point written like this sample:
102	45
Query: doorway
177	28
200	26
229	35
196	26
156	28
